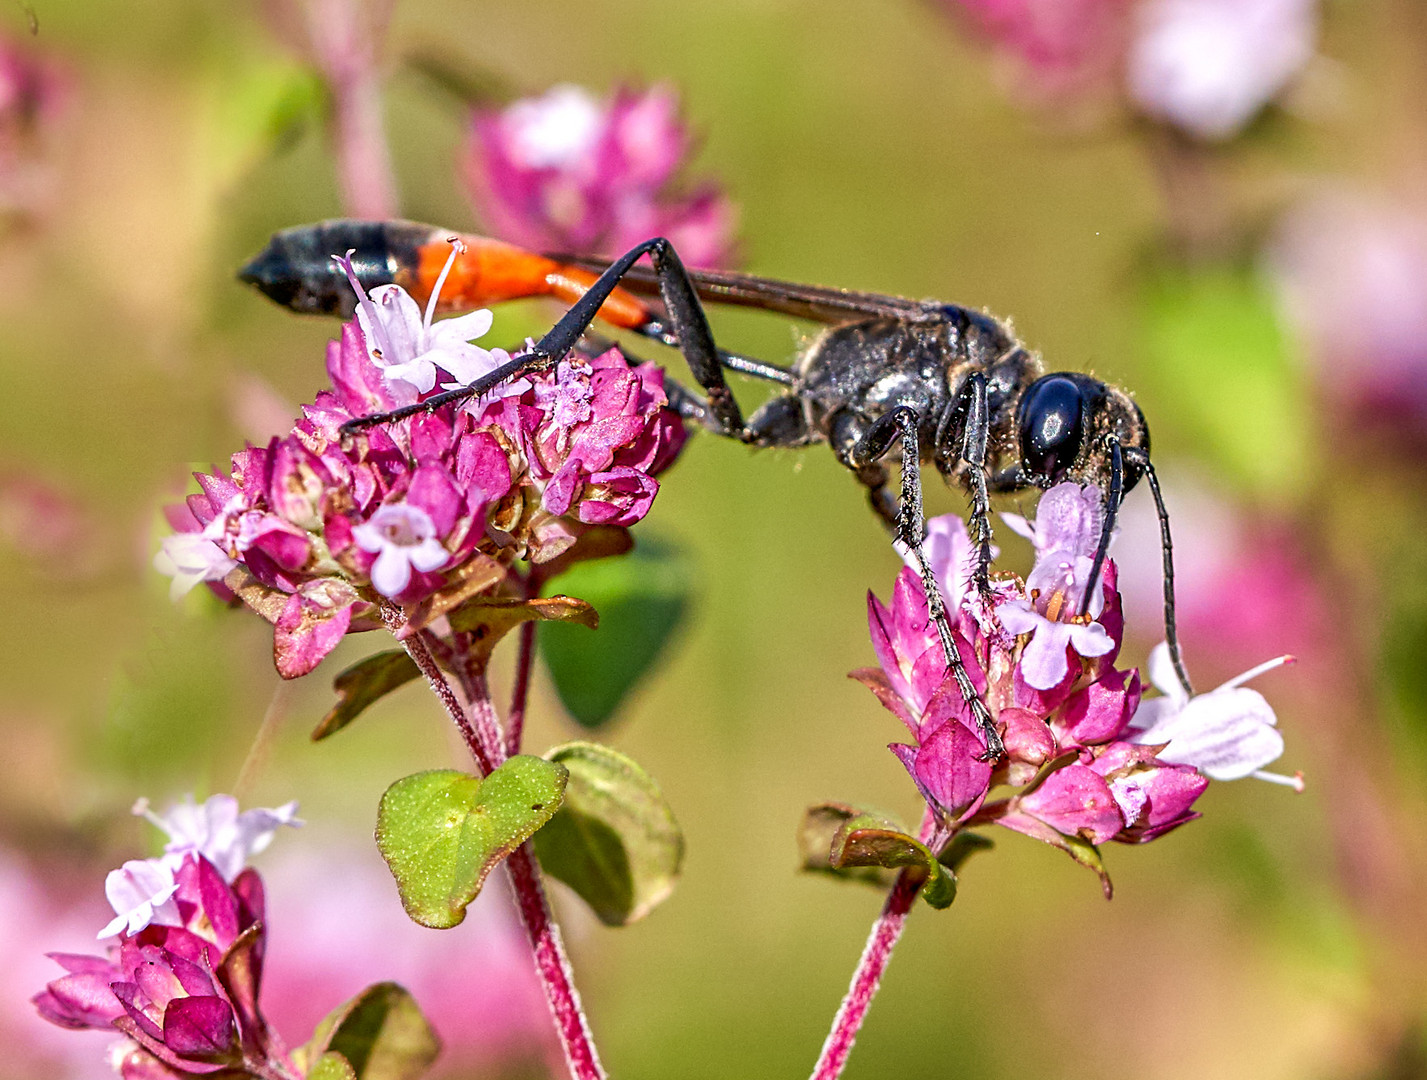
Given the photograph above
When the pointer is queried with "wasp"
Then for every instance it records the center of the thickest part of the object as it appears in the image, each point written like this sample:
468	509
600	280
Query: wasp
888	380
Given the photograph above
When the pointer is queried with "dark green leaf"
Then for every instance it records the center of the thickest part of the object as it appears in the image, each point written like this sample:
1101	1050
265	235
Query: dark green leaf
615	840
442	832
363	683
380	1034
961	847
641	597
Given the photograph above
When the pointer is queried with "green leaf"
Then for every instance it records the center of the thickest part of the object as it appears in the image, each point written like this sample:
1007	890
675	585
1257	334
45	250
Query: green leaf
615	840
442	832
363	683
641	597
819	826
1217	356
332	1066
489	618
961	847
379	1035
865	840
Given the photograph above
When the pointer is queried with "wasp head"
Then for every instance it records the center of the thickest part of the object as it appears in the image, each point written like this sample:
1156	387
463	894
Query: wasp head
1063	423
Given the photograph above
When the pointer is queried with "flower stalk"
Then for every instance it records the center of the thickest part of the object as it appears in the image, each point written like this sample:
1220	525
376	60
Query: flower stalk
875	955
490	747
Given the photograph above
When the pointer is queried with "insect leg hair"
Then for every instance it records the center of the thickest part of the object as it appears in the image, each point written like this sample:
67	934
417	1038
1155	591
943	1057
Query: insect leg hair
911	528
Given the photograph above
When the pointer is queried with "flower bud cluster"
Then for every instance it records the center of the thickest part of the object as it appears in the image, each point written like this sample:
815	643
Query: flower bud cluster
1086	759
182	981
317	527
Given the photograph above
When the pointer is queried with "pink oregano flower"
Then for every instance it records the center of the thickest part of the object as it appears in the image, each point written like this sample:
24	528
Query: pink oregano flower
318	528
182	980
1086	760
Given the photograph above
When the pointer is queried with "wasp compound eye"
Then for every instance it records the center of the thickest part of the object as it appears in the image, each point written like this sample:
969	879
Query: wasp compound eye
1053	421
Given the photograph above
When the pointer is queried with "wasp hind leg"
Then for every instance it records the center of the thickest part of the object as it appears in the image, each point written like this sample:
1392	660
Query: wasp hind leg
688	325
903	422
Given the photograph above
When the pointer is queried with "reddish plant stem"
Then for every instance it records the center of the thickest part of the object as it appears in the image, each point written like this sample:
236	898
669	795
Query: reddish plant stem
344	37
875	955
420	654
554	967
515	720
487	745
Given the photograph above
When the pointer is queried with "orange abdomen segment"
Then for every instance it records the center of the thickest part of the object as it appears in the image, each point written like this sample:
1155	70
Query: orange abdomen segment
490	271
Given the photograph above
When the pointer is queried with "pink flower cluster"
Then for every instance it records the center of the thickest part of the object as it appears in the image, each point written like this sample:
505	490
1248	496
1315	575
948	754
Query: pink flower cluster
1086	759
565	172
182	982
316	528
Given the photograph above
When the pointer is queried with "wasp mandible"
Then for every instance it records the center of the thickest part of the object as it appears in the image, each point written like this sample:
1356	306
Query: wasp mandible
888	379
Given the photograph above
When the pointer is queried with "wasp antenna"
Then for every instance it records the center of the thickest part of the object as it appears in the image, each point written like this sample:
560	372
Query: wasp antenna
1171	634
1113	498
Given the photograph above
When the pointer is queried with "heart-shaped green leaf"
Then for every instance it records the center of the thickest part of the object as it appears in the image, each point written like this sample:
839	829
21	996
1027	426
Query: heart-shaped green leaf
615	840
865	839
363	683
641	598
380	1035
442	832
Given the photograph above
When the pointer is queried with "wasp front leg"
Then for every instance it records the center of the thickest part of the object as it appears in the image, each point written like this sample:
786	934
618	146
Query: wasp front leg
904	423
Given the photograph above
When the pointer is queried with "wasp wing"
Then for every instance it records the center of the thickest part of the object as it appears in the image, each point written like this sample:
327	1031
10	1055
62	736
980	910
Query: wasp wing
815	302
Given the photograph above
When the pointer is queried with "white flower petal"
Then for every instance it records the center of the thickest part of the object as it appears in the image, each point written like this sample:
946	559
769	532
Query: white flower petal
1163	676
429	555
392	571
461	329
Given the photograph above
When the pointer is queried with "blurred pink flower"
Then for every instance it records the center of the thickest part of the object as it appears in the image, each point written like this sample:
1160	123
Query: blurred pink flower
1209	66
1061	45
338	926
1206	67
566	172
32	91
1240	583
1351	272
36	914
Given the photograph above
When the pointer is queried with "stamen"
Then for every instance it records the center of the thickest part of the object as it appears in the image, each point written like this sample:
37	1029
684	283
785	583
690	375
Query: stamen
1253	673
345	262
1295	781
457	248
1056	602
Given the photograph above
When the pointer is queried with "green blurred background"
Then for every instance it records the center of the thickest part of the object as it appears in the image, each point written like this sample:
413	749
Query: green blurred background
867	145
